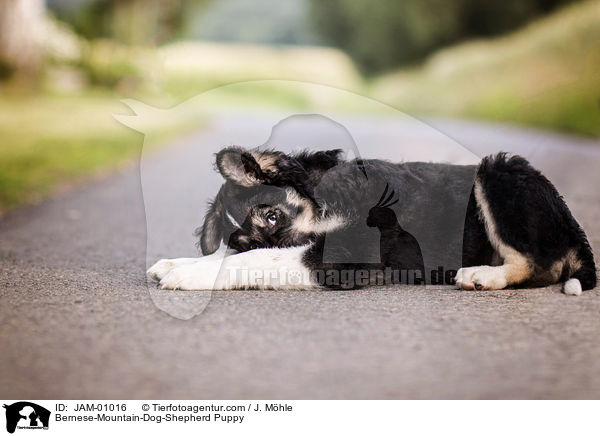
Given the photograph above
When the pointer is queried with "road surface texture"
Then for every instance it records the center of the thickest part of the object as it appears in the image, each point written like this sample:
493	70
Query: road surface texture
78	321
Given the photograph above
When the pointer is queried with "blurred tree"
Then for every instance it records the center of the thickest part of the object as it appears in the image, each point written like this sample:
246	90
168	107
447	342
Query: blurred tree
256	22
22	25
386	33
136	22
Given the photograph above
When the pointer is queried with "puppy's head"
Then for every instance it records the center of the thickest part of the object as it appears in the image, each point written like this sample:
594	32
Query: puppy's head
265	193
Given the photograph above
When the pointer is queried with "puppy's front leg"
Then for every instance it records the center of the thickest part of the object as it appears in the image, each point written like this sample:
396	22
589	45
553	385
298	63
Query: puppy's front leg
163	266
266	268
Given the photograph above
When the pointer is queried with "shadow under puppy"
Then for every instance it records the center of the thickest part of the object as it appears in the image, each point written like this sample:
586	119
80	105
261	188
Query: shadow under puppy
294	221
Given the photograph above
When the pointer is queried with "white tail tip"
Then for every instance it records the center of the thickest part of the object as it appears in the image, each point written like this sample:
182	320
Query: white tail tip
572	287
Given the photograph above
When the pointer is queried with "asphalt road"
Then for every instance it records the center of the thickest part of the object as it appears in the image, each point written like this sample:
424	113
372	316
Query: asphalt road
77	319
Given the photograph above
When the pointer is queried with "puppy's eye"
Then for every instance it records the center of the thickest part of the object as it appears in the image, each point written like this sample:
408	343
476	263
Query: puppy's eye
272	218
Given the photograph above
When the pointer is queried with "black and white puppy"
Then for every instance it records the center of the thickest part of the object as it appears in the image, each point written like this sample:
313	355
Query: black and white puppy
313	220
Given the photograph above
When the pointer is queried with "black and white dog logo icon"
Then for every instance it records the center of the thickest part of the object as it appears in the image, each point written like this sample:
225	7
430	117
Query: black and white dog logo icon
26	415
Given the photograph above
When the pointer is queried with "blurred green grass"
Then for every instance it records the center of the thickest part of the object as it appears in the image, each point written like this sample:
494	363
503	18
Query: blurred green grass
49	141
192	67
545	75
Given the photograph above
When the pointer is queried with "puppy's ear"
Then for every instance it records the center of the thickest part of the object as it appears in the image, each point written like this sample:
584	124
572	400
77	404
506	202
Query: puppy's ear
211	231
247	168
251	168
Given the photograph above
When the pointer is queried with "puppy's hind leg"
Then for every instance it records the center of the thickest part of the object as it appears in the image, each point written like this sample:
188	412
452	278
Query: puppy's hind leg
584	277
516	268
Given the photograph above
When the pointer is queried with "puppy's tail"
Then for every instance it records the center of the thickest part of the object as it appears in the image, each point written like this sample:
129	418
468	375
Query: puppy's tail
584	278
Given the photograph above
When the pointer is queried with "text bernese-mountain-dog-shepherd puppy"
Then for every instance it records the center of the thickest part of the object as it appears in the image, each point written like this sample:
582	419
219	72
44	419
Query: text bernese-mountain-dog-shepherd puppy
314	220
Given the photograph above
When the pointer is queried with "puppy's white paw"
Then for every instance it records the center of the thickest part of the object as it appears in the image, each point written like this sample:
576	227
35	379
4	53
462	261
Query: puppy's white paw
163	266
489	277
572	287
481	277
464	276
193	277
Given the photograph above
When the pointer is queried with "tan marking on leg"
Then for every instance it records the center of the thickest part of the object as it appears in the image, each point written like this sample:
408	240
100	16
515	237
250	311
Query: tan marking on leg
565	266
517	268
